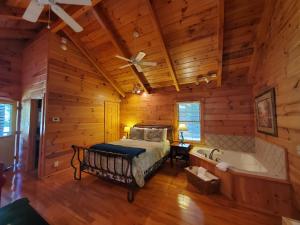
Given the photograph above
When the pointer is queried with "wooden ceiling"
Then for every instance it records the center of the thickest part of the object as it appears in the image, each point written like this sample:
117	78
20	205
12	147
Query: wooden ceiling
188	38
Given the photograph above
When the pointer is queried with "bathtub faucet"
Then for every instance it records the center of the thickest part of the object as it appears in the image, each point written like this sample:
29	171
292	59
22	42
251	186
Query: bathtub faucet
212	153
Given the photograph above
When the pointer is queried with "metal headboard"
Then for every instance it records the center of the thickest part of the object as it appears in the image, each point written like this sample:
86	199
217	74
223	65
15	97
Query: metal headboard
169	128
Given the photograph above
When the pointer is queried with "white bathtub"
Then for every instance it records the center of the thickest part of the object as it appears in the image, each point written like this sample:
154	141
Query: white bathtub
263	162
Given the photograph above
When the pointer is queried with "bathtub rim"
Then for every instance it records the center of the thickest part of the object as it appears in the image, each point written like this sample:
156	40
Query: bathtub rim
239	172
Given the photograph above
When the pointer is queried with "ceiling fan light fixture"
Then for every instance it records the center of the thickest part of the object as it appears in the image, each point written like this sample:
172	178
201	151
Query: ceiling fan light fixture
137	89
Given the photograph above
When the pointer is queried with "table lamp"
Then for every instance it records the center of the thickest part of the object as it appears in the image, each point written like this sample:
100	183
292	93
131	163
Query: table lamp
182	127
126	130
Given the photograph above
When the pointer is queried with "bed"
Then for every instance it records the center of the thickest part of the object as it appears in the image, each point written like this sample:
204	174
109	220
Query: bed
128	162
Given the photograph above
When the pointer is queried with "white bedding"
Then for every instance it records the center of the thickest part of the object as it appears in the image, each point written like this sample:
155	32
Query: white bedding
154	152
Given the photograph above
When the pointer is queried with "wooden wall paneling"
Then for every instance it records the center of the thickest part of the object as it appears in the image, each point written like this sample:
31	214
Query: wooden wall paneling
34	80
92	61
10	69
220	41
227	110
34	67
277	65
112	121
113	36
75	94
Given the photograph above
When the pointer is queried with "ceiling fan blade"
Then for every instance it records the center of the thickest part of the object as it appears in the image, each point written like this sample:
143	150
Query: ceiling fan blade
138	67
33	11
121	67
140	56
75	2
123	58
66	18
148	63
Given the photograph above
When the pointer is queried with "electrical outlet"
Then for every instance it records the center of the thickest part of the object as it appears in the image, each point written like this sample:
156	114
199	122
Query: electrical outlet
56	164
298	150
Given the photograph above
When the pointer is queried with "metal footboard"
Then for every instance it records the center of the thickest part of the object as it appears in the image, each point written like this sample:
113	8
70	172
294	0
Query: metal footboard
104	165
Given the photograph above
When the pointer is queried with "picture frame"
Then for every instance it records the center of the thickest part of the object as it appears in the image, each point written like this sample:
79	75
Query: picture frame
265	111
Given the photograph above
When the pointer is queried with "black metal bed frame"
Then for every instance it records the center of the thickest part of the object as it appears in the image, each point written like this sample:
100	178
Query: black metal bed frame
96	167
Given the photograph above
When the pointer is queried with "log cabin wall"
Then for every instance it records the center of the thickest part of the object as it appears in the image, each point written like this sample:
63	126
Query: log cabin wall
34	67
278	60
34	78
227	110
10	68
76	96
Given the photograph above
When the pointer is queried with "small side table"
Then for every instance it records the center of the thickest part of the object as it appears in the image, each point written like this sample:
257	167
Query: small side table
180	150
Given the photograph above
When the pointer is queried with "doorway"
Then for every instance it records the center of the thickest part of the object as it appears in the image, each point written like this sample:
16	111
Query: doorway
37	132
31	131
7	132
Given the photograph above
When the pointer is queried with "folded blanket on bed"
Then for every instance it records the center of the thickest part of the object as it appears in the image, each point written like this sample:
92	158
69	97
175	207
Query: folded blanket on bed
130	151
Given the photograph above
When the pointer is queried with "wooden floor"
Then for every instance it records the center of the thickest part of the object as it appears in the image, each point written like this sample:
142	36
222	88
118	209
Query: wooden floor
166	199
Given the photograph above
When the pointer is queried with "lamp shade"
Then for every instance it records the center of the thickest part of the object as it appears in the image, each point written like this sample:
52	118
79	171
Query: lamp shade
182	127
126	129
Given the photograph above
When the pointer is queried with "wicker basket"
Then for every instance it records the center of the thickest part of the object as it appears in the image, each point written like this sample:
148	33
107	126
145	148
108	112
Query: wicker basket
205	187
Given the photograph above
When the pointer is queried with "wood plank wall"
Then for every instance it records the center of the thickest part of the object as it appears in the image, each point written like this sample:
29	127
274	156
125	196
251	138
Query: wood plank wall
227	110
34	67
10	69
279	66
34	77
75	94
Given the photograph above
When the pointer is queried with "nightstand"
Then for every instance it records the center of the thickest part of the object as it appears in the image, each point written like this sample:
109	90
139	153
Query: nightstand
180	150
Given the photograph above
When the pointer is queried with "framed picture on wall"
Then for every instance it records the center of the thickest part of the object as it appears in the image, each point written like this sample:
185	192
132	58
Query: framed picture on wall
265	109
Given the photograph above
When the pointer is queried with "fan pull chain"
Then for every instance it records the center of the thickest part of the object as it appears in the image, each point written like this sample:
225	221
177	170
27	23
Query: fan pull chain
48	26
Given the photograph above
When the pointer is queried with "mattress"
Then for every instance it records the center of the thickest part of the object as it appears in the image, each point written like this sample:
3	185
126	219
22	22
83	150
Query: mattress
154	152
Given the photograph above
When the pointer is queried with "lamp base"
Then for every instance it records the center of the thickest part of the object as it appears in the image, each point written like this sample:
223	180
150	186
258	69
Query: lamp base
182	138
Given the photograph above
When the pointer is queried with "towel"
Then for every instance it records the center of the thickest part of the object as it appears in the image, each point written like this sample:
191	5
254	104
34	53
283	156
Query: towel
223	166
201	171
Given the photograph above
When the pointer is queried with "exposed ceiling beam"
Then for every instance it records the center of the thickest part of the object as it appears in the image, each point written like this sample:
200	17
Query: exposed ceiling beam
6	33
162	43
75	13
101	71
115	39
13	13
220	41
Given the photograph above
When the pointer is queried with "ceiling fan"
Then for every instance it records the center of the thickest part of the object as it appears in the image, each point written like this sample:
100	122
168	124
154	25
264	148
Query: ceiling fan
208	78
136	61
36	7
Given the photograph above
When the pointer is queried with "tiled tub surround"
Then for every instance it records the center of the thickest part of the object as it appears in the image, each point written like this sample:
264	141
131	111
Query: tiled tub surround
264	159
230	142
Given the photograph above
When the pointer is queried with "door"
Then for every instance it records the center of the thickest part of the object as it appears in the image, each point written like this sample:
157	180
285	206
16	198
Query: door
31	120
112	121
8	112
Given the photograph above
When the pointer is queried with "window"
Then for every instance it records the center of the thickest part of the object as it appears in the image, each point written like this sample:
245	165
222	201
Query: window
5	119
189	113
